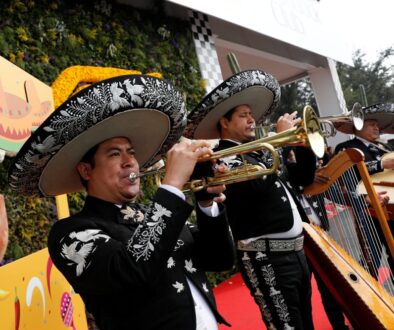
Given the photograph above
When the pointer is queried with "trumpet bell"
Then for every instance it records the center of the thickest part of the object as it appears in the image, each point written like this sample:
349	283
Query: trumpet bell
357	116
331	124
315	138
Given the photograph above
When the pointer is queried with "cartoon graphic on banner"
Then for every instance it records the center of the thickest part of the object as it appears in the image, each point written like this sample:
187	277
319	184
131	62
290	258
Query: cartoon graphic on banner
35	295
25	102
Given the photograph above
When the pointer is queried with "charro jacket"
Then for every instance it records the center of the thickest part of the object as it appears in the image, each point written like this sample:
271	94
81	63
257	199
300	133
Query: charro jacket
371	160
130	266
258	207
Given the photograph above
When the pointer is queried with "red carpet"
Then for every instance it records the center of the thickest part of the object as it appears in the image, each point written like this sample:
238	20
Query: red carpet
238	308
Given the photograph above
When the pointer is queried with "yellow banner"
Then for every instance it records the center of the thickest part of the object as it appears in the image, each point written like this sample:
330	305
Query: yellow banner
34	295
25	102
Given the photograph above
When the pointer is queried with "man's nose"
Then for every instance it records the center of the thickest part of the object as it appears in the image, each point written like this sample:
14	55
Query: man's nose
128	160
251	119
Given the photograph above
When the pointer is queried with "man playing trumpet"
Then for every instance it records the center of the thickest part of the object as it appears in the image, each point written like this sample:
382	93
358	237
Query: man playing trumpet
135	266
264	215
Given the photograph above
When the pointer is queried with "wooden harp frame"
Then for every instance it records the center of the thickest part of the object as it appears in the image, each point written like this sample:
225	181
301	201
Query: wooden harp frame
363	299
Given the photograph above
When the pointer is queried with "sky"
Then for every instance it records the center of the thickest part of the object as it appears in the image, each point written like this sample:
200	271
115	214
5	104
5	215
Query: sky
368	25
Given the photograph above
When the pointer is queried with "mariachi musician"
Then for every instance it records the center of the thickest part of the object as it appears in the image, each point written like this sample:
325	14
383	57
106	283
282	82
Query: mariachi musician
378	118
265	216
136	266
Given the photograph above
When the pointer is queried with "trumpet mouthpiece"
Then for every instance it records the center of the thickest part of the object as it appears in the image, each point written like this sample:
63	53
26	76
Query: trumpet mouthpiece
133	176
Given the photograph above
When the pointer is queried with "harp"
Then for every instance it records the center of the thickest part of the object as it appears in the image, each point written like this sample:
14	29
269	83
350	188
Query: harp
349	256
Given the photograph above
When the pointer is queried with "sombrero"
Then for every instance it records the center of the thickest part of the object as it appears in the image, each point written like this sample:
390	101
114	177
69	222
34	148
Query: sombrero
147	110
258	89
383	113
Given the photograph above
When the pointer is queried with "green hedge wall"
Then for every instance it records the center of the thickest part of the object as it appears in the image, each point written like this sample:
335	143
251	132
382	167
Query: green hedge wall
45	37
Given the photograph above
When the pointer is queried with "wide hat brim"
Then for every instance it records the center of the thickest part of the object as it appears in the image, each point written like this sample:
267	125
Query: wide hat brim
383	113
148	111
256	88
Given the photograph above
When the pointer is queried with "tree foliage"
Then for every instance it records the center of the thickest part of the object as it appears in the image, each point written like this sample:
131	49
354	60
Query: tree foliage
376	80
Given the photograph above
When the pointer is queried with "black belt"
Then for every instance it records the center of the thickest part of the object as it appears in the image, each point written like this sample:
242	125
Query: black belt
273	245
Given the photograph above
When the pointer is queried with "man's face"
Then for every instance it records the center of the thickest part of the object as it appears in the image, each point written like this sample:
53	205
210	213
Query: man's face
108	179
370	130
241	126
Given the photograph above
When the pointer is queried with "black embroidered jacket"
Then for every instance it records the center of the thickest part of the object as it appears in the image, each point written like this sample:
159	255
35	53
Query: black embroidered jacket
130	267
261	206
372	161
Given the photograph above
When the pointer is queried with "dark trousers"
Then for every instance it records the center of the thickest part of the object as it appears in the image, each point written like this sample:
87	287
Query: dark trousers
280	284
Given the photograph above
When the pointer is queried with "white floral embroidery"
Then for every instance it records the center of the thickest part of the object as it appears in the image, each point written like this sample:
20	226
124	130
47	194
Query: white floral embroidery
204	287
148	234
130	213
160	212
277	184
284	199
232	161
81	247
314	204
273	291
276	295
189	266
170	262
260	256
179	287
179	244
77	253
258	295
89	235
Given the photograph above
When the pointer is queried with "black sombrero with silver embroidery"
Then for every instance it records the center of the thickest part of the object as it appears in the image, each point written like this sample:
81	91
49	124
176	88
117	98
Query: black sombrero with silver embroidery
383	113
147	110
258	89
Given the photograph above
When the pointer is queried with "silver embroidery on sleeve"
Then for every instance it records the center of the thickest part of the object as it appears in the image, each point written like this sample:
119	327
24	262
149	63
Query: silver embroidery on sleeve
82	245
147	235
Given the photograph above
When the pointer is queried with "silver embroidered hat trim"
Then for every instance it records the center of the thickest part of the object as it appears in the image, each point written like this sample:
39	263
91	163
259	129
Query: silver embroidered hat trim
149	111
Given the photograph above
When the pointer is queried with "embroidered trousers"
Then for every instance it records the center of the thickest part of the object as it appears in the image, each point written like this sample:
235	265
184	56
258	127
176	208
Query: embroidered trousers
280	284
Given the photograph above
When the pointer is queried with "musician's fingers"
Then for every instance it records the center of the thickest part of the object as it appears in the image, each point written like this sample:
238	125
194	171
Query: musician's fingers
294	114
220	199
297	121
320	178
382	192
217	190
220	168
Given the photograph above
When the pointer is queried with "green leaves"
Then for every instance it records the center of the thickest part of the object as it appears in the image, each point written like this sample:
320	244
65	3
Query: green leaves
48	36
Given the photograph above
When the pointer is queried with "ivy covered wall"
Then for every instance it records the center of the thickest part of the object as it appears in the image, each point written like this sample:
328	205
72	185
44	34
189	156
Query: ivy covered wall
44	37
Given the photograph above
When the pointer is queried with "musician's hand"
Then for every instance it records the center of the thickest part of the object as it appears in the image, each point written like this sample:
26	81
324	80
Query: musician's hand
182	158
320	178
382	197
215	193
388	163
287	121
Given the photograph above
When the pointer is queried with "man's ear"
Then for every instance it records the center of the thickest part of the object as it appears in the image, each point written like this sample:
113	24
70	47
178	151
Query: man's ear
84	170
223	122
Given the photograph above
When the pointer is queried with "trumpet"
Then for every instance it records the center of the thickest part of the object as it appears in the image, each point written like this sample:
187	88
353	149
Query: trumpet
242	173
355	116
307	133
